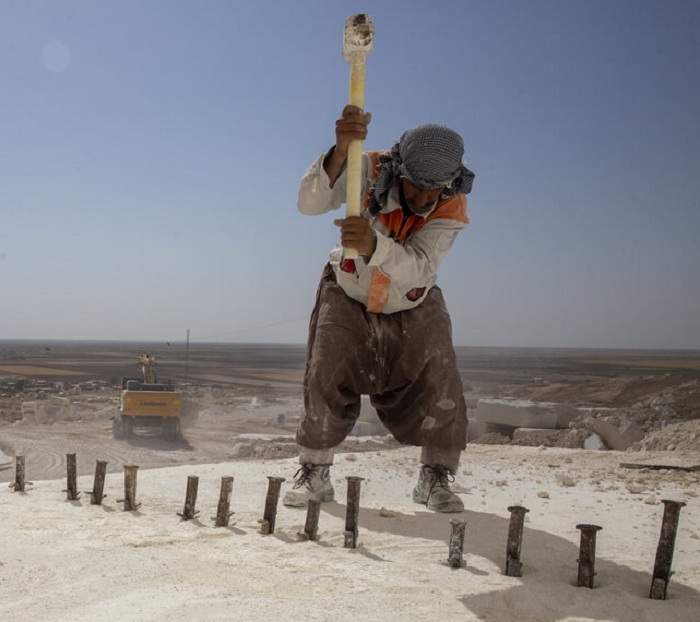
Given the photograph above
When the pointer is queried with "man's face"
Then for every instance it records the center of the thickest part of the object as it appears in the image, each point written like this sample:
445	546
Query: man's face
419	200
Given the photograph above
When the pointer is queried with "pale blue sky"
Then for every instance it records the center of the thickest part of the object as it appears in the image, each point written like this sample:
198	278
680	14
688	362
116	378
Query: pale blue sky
151	153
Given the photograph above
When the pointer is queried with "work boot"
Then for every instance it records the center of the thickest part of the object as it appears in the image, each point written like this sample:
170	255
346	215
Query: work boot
312	481
433	490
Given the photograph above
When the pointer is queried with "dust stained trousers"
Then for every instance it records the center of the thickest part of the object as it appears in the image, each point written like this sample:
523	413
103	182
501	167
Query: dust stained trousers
404	361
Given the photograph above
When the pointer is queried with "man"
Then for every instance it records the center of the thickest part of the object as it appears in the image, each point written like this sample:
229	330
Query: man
380	326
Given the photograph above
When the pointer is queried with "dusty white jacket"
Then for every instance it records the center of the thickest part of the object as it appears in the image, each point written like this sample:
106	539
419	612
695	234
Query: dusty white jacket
403	267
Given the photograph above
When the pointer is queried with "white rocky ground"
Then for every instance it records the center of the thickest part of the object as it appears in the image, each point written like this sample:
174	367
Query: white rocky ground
69	560
66	560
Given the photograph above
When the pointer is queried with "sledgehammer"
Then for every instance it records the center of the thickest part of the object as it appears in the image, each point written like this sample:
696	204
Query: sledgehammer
357	43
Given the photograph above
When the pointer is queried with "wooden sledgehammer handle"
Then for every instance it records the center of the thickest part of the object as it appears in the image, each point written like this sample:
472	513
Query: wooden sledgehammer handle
357	98
359	32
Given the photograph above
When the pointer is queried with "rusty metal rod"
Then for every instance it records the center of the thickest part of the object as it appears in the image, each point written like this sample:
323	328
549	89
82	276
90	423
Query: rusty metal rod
352	513
455	558
19	483
586	558
514	567
270	514
71	491
313	511
664	550
188	512
129	500
222	512
99	484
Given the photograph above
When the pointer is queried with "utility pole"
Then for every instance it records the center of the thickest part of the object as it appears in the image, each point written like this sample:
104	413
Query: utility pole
187	355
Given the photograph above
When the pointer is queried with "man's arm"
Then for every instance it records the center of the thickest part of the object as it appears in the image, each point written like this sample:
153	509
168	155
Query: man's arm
397	277
322	188
352	125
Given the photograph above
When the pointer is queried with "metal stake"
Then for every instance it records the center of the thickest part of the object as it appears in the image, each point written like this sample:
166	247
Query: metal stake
664	551
188	513
313	511
352	513
99	484
586	558
270	515
456	557
514	567
71	491
18	484
222	512
129	500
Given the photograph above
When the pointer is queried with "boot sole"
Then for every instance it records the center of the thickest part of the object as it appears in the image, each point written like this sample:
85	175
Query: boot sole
300	500
447	508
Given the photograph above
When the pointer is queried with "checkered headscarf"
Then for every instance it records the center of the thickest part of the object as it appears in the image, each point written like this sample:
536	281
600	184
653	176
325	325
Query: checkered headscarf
429	156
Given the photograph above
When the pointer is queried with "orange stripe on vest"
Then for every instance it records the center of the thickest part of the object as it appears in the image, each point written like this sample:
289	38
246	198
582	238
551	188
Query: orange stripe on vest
400	230
378	294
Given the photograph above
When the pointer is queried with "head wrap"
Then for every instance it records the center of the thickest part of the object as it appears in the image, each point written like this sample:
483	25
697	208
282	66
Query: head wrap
429	156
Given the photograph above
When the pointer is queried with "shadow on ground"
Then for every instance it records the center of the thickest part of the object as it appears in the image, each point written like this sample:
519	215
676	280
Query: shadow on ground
547	590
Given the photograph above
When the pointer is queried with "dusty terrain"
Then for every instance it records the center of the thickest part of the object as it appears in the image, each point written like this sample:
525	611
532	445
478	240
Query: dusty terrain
243	401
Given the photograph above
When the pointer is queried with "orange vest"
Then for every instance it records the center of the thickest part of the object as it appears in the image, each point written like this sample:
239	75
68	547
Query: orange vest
400	227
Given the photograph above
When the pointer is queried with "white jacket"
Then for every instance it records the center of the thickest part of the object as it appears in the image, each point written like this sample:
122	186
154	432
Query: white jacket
400	272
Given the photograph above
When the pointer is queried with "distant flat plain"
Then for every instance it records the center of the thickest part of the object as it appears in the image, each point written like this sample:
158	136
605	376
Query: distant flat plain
236	390
280	367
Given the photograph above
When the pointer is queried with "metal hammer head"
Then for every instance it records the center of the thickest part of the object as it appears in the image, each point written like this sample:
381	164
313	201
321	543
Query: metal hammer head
359	32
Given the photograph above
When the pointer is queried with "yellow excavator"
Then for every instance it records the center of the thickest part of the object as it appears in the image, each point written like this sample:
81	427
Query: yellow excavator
144	402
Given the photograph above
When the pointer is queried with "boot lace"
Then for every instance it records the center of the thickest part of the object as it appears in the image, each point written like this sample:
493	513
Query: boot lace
441	478
303	476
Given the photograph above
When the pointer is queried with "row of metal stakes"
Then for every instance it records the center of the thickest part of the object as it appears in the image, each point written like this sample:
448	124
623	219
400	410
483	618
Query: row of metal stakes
223	513
513	568
586	558
313	511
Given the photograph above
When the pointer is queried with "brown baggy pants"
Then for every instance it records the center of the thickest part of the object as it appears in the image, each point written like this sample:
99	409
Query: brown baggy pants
404	361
